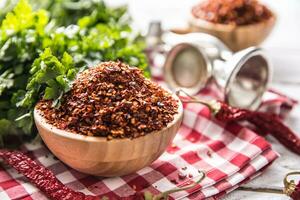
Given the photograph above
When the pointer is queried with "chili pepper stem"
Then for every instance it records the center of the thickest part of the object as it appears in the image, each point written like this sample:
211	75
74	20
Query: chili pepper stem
165	194
213	105
289	186
268	190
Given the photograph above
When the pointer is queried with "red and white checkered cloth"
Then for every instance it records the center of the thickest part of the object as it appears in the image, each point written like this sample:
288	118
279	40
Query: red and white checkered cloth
230	154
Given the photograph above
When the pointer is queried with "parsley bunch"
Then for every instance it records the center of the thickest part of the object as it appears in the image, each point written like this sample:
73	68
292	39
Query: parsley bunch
41	52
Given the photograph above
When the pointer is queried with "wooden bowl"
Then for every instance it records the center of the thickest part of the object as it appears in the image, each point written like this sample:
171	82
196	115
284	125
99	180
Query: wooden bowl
102	157
235	37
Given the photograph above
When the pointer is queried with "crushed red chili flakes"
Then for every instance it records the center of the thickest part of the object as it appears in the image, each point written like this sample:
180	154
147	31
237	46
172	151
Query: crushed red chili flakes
112	100
237	12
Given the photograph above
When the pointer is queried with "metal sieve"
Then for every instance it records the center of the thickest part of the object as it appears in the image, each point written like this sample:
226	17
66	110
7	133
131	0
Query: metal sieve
190	60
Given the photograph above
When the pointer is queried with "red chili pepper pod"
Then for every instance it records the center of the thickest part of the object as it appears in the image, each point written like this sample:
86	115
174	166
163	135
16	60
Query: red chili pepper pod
296	194
43	178
226	113
272	124
291	188
267	123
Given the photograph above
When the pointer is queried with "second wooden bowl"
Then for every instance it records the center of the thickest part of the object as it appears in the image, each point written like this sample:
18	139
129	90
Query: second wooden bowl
102	157
235	37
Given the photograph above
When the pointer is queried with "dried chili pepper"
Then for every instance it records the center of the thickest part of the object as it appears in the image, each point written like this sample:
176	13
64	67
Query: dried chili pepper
43	178
291	188
268	123
46	181
296	193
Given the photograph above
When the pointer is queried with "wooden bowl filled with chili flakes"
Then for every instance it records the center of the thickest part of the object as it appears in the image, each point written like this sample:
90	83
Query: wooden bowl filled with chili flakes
112	122
238	23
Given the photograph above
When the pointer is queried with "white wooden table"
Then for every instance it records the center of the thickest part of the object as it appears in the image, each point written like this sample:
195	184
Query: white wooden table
283	46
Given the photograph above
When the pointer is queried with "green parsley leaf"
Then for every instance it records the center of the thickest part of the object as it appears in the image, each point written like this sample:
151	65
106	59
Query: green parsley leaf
41	52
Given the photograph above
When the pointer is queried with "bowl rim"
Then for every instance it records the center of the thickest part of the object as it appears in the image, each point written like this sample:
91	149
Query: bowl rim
194	21
41	121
